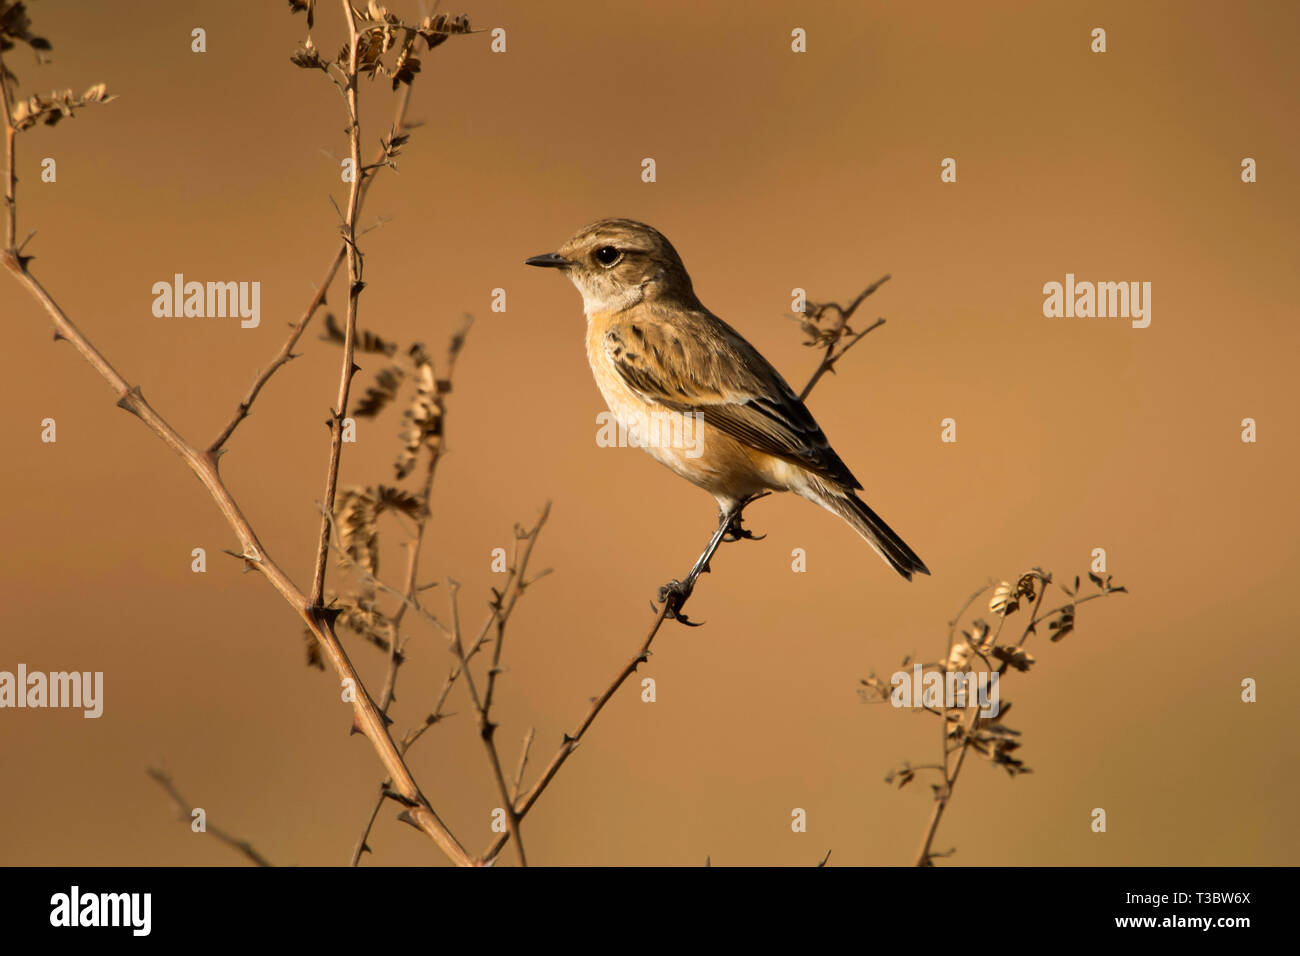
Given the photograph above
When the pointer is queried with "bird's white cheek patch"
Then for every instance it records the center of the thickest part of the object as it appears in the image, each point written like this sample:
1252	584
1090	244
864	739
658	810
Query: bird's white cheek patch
605	301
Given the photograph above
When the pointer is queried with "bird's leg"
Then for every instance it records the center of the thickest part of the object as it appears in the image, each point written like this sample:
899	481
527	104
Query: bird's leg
724	525
729	529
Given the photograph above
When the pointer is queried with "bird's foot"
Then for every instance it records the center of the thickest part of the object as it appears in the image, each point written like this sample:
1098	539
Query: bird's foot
674	595
737	531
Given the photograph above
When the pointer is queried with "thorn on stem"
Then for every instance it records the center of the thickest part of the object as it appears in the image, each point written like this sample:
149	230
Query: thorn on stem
130	398
325	615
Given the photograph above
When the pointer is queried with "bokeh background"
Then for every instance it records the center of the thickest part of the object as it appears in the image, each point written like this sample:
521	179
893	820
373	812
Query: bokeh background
775	171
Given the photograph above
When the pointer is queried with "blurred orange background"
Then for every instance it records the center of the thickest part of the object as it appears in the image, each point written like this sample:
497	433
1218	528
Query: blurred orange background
775	170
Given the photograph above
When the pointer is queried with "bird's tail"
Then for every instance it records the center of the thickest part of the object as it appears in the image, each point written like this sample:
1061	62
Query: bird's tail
879	535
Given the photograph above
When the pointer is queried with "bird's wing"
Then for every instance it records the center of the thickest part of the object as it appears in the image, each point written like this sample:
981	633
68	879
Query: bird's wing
698	363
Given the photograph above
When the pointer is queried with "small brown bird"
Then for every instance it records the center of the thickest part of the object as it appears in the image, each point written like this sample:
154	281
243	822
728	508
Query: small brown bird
740	430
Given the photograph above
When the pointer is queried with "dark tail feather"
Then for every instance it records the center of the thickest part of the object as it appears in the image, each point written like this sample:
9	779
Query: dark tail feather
878	534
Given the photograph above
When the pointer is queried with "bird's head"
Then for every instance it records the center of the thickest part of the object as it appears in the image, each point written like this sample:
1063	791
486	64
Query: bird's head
618	263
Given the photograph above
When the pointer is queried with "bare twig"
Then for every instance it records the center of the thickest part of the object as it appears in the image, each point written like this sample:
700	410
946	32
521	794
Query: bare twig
367	717
355	285
500	610
570	741
409	595
523	764
812	314
286	353
11	173
361	845
499	615
184	813
943	796
486	727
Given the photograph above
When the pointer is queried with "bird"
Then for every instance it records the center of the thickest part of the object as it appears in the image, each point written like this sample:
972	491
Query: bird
656	352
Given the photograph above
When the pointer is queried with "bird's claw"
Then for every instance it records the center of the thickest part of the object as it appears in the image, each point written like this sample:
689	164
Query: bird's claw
674	595
737	531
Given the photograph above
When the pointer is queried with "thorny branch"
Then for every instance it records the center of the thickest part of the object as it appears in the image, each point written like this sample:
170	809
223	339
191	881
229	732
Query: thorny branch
830	336
369	36
501	607
486	727
286	353
355	285
367	717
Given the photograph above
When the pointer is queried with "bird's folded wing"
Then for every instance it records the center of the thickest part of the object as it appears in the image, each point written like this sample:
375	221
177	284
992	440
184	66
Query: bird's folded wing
705	366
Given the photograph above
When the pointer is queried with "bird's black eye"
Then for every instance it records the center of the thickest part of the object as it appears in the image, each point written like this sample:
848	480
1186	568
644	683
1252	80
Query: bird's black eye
608	255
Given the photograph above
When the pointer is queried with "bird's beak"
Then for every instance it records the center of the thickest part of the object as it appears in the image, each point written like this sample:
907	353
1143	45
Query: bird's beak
552	260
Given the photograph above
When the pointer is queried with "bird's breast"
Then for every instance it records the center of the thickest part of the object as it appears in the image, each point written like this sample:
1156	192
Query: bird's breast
626	405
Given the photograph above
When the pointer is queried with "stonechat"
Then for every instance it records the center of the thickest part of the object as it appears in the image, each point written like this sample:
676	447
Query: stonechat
657	352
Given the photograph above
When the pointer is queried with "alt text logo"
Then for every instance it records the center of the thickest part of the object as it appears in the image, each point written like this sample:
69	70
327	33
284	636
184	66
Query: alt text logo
946	690
1102	300
75	908
80	689
658	429
215	300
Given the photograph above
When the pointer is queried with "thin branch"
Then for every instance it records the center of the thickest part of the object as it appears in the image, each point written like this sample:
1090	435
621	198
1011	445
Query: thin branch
366	716
369	578
1056	610
416	543
11	173
952	629
436	714
501	608
355	285
1044	580
523	764
943	793
285	354
499	615
361	845
814	311
570	741
185	812
504	602
952	624
831	357
943	796
487	729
